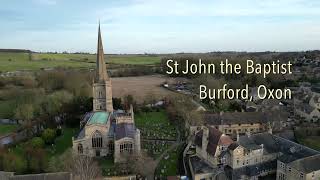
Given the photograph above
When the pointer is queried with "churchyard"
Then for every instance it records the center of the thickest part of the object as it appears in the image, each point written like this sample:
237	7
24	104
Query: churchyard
168	166
157	133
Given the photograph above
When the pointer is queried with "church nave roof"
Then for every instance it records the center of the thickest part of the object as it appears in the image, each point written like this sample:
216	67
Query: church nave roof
100	117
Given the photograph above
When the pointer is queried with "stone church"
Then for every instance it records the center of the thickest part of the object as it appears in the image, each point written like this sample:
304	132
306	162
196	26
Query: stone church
105	131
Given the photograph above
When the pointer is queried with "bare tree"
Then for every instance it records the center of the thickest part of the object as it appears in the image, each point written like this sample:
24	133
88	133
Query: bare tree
83	167
141	164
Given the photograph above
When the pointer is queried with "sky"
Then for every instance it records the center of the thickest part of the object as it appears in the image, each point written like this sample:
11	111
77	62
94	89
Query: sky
160	26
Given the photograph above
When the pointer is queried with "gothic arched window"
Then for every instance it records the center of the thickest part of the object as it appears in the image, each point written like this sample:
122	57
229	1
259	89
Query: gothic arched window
80	148
97	140
126	147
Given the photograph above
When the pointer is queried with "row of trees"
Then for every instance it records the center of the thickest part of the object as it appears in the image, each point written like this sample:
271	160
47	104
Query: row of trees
28	157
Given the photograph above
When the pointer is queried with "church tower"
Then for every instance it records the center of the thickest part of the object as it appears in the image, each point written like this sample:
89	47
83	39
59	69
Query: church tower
102	89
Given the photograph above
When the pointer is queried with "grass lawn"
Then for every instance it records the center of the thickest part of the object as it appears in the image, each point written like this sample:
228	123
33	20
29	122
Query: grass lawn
5	129
62	143
20	61
168	165
310	141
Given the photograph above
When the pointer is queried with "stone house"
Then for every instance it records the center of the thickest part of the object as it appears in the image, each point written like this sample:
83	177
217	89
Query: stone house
210	144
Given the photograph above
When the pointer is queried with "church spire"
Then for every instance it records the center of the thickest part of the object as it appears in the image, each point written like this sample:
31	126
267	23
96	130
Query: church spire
101	66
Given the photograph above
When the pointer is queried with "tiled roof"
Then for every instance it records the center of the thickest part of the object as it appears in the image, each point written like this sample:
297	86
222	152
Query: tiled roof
290	151
215	138
200	166
125	130
250	171
198	138
233	146
307	165
235	118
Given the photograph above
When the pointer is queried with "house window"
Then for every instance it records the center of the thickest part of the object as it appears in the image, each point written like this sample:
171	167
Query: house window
97	140
126	147
80	149
301	175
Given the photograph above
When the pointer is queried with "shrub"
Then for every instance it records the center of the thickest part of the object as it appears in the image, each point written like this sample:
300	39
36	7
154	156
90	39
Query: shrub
37	142
59	132
48	136
13	163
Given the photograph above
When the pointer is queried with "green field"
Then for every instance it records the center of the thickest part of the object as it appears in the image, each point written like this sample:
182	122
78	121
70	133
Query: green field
5	129
91	58
11	61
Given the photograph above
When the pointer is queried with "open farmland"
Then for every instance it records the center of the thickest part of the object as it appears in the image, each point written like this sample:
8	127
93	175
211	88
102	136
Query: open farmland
91	58
13	61
140	87
21	61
